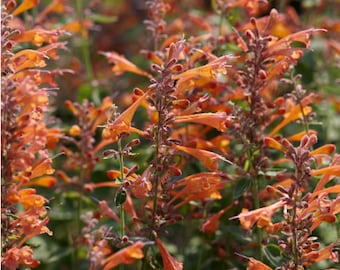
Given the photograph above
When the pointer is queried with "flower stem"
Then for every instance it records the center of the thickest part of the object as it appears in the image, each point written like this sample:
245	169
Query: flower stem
294	234
121	168
255	187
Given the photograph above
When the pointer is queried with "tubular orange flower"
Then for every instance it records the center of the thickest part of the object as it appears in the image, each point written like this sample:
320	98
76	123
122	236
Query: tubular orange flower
216	120
325	149
124	256
270	142
211	224
40	76
254	264
50	50
141	187
106	211
19	256
293	114
80	27
27	59
56	6
298	136
189	78
283	44
320	255
121	64
44	181
33	226
39	36
249	218
199	186
331	170
25	5
209	159
169	262
123	122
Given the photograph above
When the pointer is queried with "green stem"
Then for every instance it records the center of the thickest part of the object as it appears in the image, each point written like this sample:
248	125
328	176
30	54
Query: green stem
255	190
85	49
121	168
255	187
294	235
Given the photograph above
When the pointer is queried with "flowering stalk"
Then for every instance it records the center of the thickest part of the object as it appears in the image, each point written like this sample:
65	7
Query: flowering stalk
25	140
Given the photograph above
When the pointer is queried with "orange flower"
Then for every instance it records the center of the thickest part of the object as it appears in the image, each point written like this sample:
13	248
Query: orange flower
141	187
169	262
124	256
216	120
16	256
253	7
270	142
44	181
320	255
209	159
40	76
56	6
123	122
32	226
199	186
106	211
280	46
39	36
298	136
331	170
121	64
324	150
254	264
211	224
25	5
189	78
28	198
27	59
51	50
292	115
249	218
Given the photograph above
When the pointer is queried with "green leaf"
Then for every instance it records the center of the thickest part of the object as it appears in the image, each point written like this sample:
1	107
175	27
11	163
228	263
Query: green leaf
100	18
272	254
120	197
241	186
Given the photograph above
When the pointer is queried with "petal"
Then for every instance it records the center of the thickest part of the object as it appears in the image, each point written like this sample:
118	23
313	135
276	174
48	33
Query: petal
211	224
270	142
39	36
209	159
123	122
25	5
298	136
44	181
254	264
325	149
293	114
27	59
169	263
216	120
331	170
249	218
125	256
121	64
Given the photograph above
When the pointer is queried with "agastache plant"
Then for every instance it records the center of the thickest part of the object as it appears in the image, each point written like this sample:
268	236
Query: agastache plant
170	135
